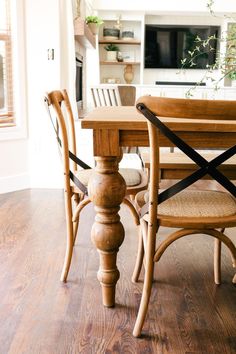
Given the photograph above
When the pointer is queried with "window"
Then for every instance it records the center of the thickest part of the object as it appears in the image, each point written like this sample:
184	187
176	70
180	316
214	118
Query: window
6	87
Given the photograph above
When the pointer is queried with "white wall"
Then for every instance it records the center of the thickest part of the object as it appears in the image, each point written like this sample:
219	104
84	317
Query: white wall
32	160
14	163
52	28
29	158
42	33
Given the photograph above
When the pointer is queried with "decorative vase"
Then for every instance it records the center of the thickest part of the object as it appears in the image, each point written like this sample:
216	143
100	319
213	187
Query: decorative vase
128	73
111	55
111	33
93	27
127	34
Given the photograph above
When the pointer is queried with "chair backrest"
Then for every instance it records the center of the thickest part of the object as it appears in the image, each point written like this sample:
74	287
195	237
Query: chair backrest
127	95
105	96
63	121
113	95
61	116
154	107
190	108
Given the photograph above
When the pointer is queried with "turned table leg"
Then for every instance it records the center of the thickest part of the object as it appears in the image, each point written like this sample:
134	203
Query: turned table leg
107	190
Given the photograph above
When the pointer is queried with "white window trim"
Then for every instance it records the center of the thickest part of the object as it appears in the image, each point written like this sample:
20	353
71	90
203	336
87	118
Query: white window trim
19	130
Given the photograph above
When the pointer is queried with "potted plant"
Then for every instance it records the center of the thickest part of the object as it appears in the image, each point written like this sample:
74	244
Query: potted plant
93	23
112	50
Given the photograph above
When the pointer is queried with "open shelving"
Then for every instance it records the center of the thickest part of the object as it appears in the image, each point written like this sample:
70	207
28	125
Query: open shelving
129	48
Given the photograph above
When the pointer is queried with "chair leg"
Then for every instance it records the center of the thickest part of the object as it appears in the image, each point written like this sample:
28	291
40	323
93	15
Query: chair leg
139	258
68	257
76	216
217	261
72	225
145	298
142	245
132	209
148	278
75	230
70	238
76	198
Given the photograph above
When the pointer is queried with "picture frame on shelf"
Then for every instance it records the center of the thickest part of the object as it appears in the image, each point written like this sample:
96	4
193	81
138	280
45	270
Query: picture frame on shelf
111	80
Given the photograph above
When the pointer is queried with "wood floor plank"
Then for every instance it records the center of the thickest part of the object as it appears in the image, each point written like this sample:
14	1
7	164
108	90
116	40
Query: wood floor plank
188	313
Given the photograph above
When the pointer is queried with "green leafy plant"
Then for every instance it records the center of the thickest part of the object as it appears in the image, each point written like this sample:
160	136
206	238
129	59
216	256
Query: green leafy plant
94	19
225	61
231	53
112	47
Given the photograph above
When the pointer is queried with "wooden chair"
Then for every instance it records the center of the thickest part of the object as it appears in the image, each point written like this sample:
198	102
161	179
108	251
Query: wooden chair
113	95
76	180
191	211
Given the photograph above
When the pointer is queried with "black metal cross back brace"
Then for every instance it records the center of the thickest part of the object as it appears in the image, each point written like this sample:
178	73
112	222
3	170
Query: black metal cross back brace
72	156
206	167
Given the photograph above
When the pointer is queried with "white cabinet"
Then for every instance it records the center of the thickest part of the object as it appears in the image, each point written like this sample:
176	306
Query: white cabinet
223	93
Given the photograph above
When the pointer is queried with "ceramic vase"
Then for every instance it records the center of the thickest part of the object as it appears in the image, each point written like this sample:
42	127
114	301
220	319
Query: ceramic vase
128	74
111	55
93	28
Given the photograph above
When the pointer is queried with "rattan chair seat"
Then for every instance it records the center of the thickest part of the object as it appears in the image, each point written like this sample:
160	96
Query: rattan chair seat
190	203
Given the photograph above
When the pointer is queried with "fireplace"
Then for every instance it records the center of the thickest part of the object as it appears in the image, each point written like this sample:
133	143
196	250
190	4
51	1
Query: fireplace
79	81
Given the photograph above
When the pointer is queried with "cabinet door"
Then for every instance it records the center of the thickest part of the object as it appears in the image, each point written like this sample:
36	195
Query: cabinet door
230	93
149	91
174	92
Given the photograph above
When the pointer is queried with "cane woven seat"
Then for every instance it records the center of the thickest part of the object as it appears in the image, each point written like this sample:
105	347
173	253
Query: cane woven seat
190	205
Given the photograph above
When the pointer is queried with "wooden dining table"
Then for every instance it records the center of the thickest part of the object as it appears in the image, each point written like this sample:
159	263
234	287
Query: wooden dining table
113	128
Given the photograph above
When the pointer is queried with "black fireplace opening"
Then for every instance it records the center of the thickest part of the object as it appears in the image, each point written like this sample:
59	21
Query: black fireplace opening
79	81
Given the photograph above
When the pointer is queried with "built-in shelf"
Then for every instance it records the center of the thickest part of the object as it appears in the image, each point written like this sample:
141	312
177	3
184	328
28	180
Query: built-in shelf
120	41
83	34
119	63
129	70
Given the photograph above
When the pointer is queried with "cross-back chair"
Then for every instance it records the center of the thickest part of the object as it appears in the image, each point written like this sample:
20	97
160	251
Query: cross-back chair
76	179
191	211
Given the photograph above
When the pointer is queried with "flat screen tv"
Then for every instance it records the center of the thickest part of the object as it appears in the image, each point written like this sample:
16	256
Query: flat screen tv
167	45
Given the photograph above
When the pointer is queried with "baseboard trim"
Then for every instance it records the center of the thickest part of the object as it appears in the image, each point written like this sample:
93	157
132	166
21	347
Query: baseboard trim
14	183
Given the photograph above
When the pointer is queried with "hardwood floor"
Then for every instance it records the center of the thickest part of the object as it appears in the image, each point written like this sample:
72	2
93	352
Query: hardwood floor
38	314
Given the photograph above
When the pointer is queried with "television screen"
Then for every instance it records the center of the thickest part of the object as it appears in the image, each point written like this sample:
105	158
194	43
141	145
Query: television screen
166	46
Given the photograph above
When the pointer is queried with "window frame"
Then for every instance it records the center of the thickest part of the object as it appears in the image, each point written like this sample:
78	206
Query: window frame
16	126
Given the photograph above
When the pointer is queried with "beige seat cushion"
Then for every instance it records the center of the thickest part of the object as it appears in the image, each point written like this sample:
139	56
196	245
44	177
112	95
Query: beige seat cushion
131	176
84	175
191	203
